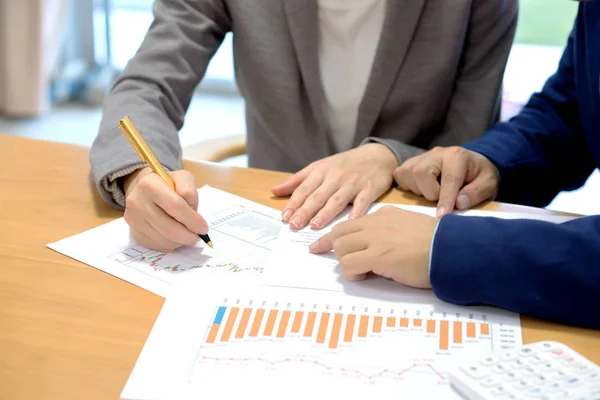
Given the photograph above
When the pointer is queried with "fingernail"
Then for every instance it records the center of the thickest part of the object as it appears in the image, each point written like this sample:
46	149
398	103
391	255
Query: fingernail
313	246
317	222
463	202
287	214
441	211
296	222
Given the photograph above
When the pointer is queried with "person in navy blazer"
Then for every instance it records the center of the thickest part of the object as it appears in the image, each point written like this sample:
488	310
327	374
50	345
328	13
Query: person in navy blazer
550	271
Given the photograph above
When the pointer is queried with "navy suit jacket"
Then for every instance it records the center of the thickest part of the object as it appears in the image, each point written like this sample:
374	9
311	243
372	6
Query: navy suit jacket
537	268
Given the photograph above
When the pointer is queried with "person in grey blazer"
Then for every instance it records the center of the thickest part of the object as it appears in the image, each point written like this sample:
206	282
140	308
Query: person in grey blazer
341	92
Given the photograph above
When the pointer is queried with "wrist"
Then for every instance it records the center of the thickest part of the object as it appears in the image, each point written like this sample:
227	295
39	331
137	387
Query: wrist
382	153
130	180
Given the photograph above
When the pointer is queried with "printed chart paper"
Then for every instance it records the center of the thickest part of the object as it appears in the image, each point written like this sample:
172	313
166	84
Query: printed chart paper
266	342
243	234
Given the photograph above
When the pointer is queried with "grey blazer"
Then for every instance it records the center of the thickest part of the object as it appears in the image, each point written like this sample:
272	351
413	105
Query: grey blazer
435	79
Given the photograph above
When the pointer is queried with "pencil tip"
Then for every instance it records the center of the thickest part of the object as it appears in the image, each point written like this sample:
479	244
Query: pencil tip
210	245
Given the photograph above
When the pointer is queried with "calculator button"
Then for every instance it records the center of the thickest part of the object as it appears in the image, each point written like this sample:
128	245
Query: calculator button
535	393
510	376
555	387
490	382
522	384
508	356
558	374
529	371
516	365
548	366
557	353
580	368
526	352
539	380
572	382
538	359
499	391
593	376
499	369
476	372
489	361
547	346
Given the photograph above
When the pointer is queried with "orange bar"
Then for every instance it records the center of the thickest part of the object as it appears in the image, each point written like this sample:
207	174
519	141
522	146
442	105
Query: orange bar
310	323
443	335
391	322
404	322
349	328
335	331
471	329
417	322
364	324
377	324
430	326
241	330
270	323
257	320
485	329
457	337
212	335
297	321
229	325
323	328
285	318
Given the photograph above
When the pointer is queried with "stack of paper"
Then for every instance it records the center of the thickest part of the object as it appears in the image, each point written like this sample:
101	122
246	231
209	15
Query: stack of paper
259	316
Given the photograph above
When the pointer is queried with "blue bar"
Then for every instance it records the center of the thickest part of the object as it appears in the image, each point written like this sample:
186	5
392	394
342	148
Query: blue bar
219	316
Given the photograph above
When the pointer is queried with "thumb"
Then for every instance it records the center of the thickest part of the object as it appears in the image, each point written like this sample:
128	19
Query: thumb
185	186
287	188
483	188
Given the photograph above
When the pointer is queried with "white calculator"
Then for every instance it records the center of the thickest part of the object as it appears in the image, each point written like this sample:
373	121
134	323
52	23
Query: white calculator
543	370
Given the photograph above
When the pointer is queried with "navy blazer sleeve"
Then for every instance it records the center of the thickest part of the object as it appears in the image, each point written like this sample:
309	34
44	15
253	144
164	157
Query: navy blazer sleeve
532	267
543	150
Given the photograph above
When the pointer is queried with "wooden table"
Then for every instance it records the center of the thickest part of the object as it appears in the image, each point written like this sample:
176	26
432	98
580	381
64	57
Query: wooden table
70	331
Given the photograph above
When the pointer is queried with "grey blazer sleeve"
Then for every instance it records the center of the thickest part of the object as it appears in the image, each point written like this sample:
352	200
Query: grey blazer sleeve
474	103
157	85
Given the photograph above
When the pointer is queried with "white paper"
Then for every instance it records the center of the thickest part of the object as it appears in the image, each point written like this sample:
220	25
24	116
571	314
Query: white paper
376	342
303	269
243	234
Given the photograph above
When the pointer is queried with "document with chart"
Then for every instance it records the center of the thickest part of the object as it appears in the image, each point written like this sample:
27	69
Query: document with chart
274	343
243	233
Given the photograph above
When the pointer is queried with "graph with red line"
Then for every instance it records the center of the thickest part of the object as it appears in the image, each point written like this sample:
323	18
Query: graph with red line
361	345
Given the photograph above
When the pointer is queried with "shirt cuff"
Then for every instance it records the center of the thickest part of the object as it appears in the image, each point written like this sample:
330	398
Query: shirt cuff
431	248
112	184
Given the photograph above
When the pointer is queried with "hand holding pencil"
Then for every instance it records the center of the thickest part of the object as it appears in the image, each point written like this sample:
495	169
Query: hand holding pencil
161	207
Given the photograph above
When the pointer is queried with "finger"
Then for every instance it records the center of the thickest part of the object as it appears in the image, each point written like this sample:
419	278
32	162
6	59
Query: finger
481	189
454	170
316	202
351	243
405	178
170	228
326	242
148	237
335	205
286	188
356	266
361	203
426	178
310	184
173	204
185	185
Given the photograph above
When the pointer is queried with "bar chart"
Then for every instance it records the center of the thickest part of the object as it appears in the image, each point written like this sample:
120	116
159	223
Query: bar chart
273	342
363	344
334	329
